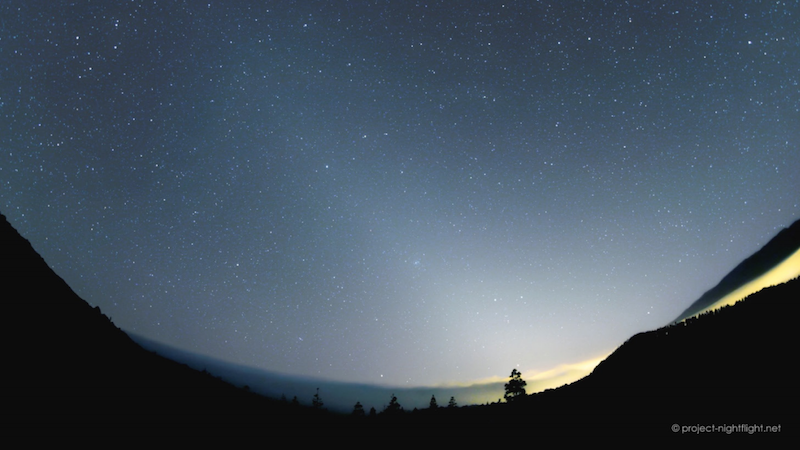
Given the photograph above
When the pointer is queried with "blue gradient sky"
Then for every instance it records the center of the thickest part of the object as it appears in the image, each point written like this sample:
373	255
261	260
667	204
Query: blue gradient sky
398	193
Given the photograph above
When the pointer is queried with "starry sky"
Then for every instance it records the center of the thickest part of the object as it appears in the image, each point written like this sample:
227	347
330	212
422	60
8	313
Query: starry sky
397	192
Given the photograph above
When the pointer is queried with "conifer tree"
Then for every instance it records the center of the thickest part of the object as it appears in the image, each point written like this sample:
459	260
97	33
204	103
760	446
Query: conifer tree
394	407
316	402
515	388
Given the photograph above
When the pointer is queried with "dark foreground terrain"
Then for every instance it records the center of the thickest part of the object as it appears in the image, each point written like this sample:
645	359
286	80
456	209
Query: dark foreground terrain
69	371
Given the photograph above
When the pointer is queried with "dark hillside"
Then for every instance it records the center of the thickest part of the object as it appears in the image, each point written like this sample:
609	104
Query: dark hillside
728	366
68	370
780	247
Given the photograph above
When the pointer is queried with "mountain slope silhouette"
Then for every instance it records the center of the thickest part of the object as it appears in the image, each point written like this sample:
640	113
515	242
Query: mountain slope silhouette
780	247
68	370
729	368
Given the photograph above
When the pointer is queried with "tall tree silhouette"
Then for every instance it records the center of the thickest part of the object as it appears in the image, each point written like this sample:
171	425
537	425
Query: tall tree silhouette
316	402
394	407
515	388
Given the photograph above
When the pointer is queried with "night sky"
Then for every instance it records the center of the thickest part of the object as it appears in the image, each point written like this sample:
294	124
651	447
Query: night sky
396	192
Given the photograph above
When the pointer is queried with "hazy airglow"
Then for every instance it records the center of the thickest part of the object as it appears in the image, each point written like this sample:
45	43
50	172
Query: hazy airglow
490	390
563	374
551	378
783	272
405	194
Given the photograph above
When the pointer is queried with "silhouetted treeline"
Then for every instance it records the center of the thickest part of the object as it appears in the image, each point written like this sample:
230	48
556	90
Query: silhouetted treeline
780	247
69	371
728	366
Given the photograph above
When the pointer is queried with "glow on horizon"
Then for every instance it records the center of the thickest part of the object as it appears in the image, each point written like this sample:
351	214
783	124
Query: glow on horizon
787	270
564	374
356	210
540	381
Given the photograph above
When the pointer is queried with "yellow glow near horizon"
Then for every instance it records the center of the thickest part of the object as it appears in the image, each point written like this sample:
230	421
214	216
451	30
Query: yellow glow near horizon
547	379
563	374
783	272
538	382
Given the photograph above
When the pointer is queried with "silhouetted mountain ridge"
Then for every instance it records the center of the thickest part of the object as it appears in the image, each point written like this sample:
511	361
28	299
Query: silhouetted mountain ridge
725	367
68	370
780	247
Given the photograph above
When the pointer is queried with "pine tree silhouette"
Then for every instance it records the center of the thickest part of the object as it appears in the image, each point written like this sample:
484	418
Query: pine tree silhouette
394	407
515	388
